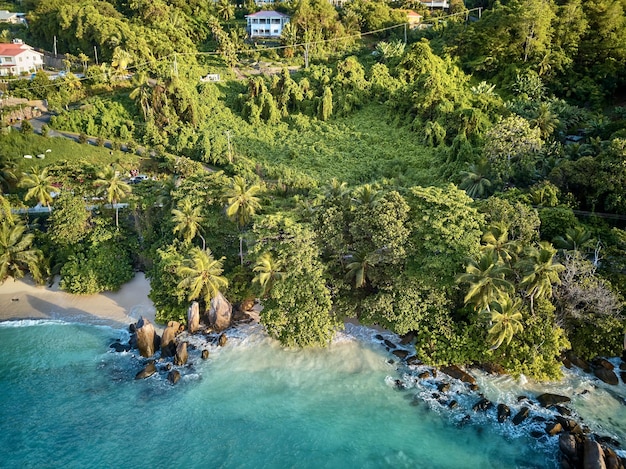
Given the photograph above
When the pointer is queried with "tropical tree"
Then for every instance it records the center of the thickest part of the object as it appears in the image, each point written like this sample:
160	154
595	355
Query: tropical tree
201	274
16	254
7	172
142	94
120	61
225	10
39	187
359	267
540	271
268	271
242	205
113	188
474	181
506	319
496	239
188	221
486	279
575	239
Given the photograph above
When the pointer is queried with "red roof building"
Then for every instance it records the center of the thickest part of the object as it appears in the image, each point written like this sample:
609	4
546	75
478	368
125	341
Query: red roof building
18	58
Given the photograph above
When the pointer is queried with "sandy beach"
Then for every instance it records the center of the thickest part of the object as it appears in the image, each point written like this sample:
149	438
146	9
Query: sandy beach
22	299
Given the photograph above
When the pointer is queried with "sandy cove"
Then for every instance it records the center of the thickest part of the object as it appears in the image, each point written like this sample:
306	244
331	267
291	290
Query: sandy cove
22	299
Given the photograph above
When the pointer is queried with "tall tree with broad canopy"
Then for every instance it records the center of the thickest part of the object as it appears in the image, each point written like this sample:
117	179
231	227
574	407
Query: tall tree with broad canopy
16	254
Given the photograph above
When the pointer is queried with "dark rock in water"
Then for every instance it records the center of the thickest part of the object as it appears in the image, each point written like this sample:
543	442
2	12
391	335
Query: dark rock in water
424	375
132	328
622	366
453	404
413	360
133	341
593	455
222	340
579	362
493	368
120	347
539	418
465	419
554	428
474	387
607	440
401	354
483	404
606	375
173	376
612	460
399	384
568	446
522	398
536	434
435	395
548	399
181	354
407	338
390	344
146	338
148	371
205	354
415	402
390	361
562	410
567	363
458	373
168	367
443	387
521	415
503	412
602	362
379	337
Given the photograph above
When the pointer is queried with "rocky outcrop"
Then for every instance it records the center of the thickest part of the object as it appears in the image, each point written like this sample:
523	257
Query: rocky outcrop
119	347
606	375
553	428
220	313
168	341
147	339
548	399
503	413
181	354
483	405
193	317
148	371
593	455
577	361
173	376
521	415
401	354
458	373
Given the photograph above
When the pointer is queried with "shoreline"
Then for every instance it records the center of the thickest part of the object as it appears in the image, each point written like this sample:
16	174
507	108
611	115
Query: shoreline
23	299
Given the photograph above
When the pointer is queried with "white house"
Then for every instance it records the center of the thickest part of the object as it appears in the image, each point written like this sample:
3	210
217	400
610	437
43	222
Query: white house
18	58
10	17
266	23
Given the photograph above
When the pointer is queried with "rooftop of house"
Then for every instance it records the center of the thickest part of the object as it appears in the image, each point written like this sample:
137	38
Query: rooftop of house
13	49
5	15
267	14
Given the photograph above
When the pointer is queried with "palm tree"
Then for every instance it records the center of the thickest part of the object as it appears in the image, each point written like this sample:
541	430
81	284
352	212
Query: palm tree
336	189
225	10
111	185
486	277
496	239
142	94
505	317
39	187
360	266
120	61
7	172
242	205
16	254
474	181
5	210
540	271
367	195
268	271
575	239
201	273
188	220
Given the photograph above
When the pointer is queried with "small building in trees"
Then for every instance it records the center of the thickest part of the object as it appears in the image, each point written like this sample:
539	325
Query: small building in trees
440	4
413	18
18	58
11	17
266	24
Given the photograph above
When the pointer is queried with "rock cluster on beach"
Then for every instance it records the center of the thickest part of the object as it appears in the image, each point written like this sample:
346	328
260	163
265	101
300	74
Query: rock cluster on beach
169	354
544	416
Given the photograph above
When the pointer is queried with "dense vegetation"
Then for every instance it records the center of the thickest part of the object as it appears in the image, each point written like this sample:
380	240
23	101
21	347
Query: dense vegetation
465	186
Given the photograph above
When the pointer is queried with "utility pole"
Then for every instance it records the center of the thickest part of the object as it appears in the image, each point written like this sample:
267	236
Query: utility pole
55	47
306	55
95	53
405	33
230	155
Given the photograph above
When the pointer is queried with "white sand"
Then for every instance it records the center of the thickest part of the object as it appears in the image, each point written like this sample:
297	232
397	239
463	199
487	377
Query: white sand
23	299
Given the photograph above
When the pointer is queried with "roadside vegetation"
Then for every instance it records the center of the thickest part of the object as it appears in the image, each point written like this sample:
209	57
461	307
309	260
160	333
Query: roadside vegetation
465	186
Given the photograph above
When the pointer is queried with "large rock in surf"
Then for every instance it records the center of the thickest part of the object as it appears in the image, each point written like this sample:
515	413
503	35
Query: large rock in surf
193	317
548	399
483	404
503	412
458	373
148	371
220	313
593	455
168	341
181	354
521	415
147	338
606	375
579	362
173	376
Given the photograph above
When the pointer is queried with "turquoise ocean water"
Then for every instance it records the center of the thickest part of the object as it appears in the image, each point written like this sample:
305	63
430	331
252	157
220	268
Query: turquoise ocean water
67	401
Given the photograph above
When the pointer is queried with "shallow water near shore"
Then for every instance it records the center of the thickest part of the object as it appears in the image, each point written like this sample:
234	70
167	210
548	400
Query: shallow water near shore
68	401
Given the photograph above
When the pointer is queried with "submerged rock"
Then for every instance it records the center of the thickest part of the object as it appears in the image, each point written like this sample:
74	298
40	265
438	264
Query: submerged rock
424	375
503	412
119	347
389	344
222	340
453	404
458	373
401	354
521	415
548	399
443	387
413	360
148	371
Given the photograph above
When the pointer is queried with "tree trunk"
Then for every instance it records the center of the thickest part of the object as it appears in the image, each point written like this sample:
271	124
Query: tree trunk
241	249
